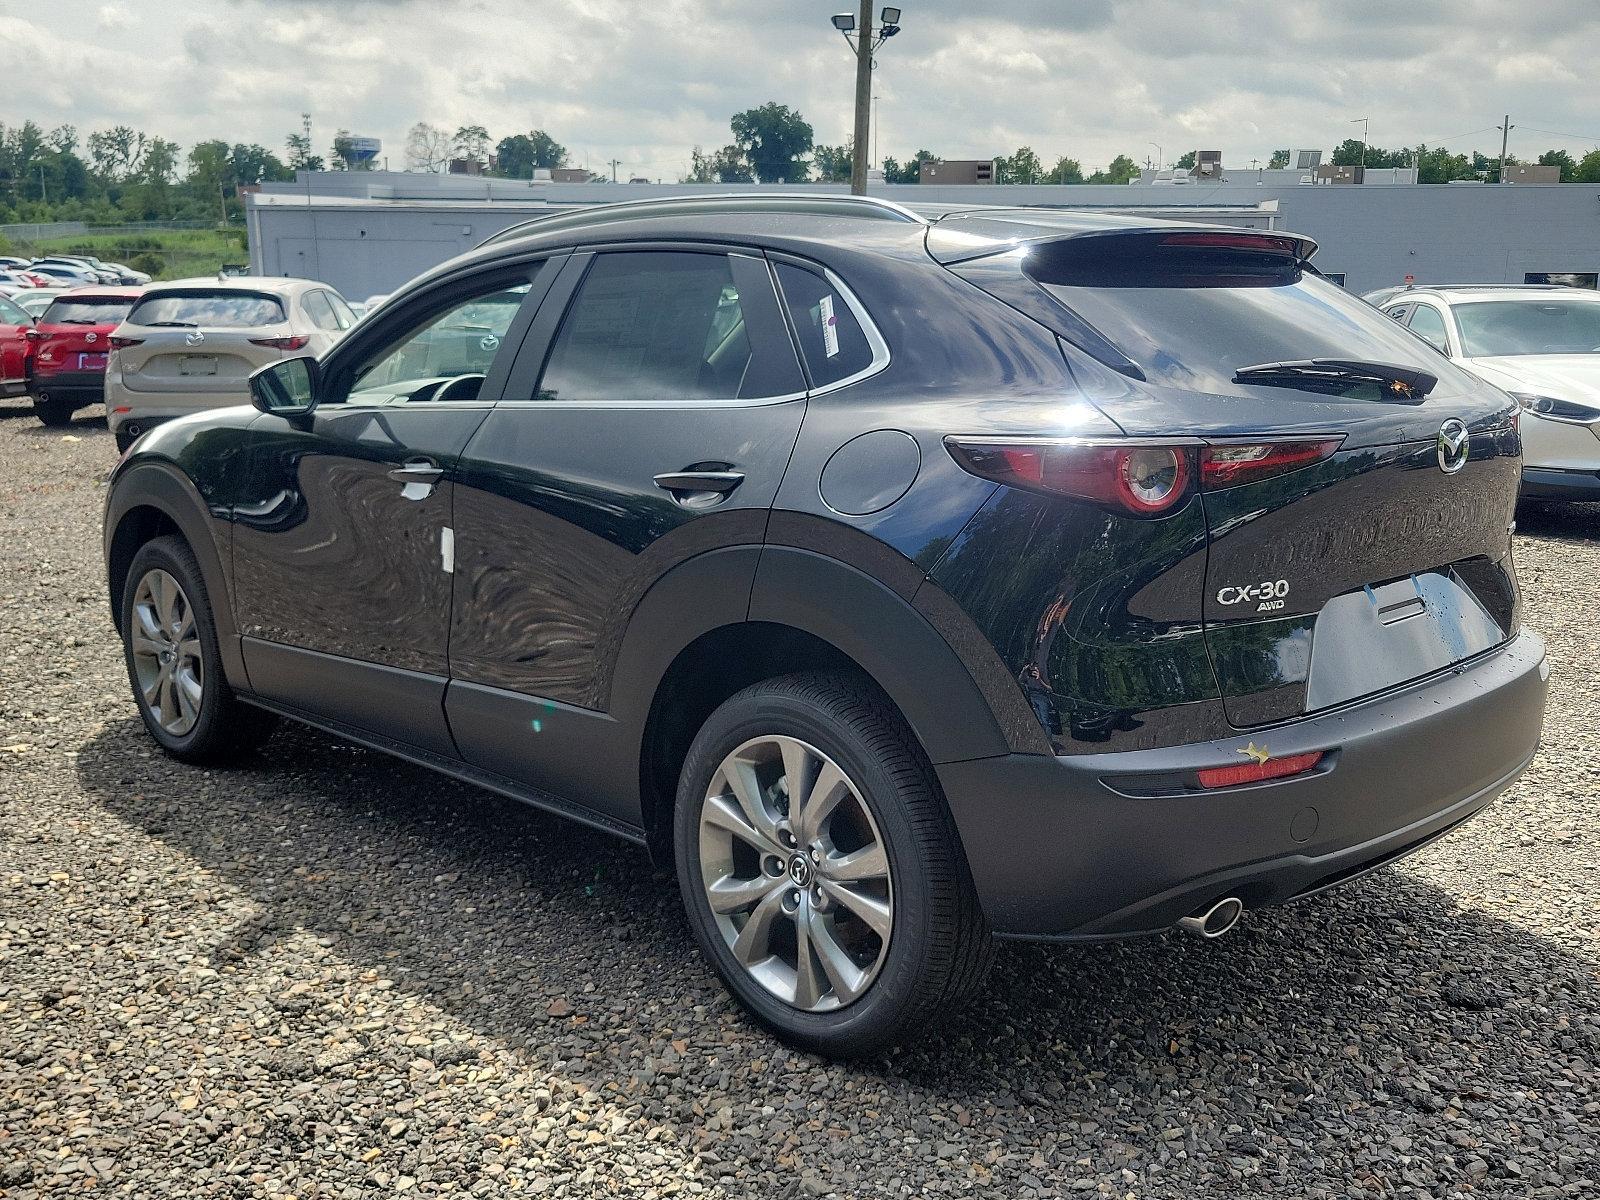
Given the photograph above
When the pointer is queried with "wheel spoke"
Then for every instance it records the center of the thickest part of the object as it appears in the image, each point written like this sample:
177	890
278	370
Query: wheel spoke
875	913
800	768
152	692
869	862
145	645
829	787
169	699
746	788
149	620
188	692
754	943
848	980
726	815
808	979
186	626
189	648
161	590
732	895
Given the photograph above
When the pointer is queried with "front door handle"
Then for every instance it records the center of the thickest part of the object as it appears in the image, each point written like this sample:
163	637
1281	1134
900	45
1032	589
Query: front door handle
418	477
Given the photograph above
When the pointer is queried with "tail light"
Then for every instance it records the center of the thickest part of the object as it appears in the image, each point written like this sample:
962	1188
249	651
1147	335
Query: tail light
282	343
122	343
1235	463
33	335
1138	479
1257	772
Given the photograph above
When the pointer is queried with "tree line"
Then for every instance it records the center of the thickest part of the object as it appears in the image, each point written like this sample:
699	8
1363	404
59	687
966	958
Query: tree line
122	174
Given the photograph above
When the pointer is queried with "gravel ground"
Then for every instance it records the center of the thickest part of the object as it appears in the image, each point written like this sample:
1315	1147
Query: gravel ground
333	974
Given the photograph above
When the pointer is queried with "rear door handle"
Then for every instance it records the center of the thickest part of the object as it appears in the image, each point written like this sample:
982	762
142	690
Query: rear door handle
699	481
418	476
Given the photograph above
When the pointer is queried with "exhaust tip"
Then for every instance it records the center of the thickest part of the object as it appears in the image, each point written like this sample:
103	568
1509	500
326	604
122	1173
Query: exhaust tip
1216	920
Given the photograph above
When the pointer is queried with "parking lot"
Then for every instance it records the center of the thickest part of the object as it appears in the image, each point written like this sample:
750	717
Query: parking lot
334	974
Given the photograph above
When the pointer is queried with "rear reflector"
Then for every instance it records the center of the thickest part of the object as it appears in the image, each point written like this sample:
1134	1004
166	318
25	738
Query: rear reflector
1229	465
1273	768
282	343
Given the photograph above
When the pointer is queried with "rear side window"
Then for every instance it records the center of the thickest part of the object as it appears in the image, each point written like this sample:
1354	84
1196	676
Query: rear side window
1191	317
320	311
654	325
213	309
86	310
1428	324
831	339
10	314
341	310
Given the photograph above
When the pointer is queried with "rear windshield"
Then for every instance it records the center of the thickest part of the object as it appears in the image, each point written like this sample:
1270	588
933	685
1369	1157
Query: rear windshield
213	309
1191	318
1492	327
87	310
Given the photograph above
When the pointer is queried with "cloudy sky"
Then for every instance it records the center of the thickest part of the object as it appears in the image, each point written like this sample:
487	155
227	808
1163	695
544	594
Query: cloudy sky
645	80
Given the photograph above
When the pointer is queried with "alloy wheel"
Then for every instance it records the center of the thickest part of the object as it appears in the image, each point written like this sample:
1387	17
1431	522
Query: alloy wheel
796	873
166	652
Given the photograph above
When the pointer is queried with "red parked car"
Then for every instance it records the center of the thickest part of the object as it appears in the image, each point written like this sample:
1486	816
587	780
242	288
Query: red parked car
16	349
70	344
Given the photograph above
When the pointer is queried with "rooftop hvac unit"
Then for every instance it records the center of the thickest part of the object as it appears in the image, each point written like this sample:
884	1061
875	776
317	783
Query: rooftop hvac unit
1208	162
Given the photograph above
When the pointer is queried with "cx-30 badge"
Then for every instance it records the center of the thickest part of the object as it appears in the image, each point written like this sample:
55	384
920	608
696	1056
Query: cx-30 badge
1454	445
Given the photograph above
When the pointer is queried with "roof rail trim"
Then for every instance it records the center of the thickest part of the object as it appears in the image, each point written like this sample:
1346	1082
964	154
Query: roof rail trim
869	207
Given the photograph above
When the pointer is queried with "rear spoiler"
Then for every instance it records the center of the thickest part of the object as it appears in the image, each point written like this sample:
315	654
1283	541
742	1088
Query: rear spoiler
961	237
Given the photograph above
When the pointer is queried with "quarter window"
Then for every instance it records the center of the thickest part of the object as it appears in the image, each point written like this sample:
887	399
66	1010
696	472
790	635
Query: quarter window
1428	324
831	339
320	311
654	325
446	357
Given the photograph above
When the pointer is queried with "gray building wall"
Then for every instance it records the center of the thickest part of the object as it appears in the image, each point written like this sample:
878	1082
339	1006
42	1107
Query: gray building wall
369	232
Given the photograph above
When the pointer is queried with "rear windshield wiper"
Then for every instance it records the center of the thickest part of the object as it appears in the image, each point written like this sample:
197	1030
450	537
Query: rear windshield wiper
1338	376
168	324
77	321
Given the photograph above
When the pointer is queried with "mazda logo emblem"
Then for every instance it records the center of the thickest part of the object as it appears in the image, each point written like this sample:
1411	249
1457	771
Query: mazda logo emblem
89	337
1454	445
195	338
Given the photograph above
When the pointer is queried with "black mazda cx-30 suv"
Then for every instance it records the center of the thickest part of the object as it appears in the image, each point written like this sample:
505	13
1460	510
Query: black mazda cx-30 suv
904	580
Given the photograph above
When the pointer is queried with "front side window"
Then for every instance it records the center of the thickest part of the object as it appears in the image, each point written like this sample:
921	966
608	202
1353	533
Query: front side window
1428	324
446	357
1554	326
654	325
211	309
831	339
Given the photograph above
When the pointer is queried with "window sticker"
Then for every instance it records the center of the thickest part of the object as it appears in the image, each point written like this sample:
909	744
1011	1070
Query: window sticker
830	328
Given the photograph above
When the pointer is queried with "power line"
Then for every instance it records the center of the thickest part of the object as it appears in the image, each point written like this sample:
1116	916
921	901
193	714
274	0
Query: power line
1577	137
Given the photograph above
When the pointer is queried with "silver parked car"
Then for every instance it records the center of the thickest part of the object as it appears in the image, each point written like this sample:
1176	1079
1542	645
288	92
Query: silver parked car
193	344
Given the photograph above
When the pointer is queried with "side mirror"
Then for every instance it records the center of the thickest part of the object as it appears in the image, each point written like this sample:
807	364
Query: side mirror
287	388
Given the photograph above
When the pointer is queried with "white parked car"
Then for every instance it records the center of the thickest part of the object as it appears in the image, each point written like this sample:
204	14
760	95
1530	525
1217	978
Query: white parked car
192	344
1539	342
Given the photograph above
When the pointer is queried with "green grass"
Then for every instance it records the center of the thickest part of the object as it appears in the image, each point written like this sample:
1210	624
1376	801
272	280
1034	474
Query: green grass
164	254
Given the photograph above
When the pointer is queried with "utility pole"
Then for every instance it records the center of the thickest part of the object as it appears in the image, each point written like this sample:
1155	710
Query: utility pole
1363	122
615	163
875	100
864	48
1505	136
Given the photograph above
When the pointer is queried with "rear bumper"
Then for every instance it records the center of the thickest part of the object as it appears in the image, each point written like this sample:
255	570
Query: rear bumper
1057	853
83	387
1552	483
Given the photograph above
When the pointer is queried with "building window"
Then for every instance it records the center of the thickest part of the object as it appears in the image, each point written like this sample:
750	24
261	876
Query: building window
1577	279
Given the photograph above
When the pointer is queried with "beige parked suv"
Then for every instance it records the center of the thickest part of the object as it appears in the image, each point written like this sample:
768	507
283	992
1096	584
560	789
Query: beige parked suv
192	344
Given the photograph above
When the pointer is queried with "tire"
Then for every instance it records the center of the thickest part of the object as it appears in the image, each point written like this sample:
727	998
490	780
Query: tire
863	991
52	410
164	599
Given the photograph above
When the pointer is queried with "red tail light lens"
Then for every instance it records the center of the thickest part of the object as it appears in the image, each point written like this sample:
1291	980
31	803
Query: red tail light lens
282	343
1144	481
1273	768
1230	465
122	343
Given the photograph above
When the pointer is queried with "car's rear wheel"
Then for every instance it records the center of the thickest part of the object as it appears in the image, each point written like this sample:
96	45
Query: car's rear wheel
174	665
821	871
53	411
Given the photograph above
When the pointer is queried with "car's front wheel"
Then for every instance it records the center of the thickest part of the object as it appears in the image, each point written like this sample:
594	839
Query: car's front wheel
170	642
820	868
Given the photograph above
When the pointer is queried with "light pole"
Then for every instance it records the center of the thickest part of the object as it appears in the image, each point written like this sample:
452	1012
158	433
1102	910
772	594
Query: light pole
858	33
1363	121
1161	155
